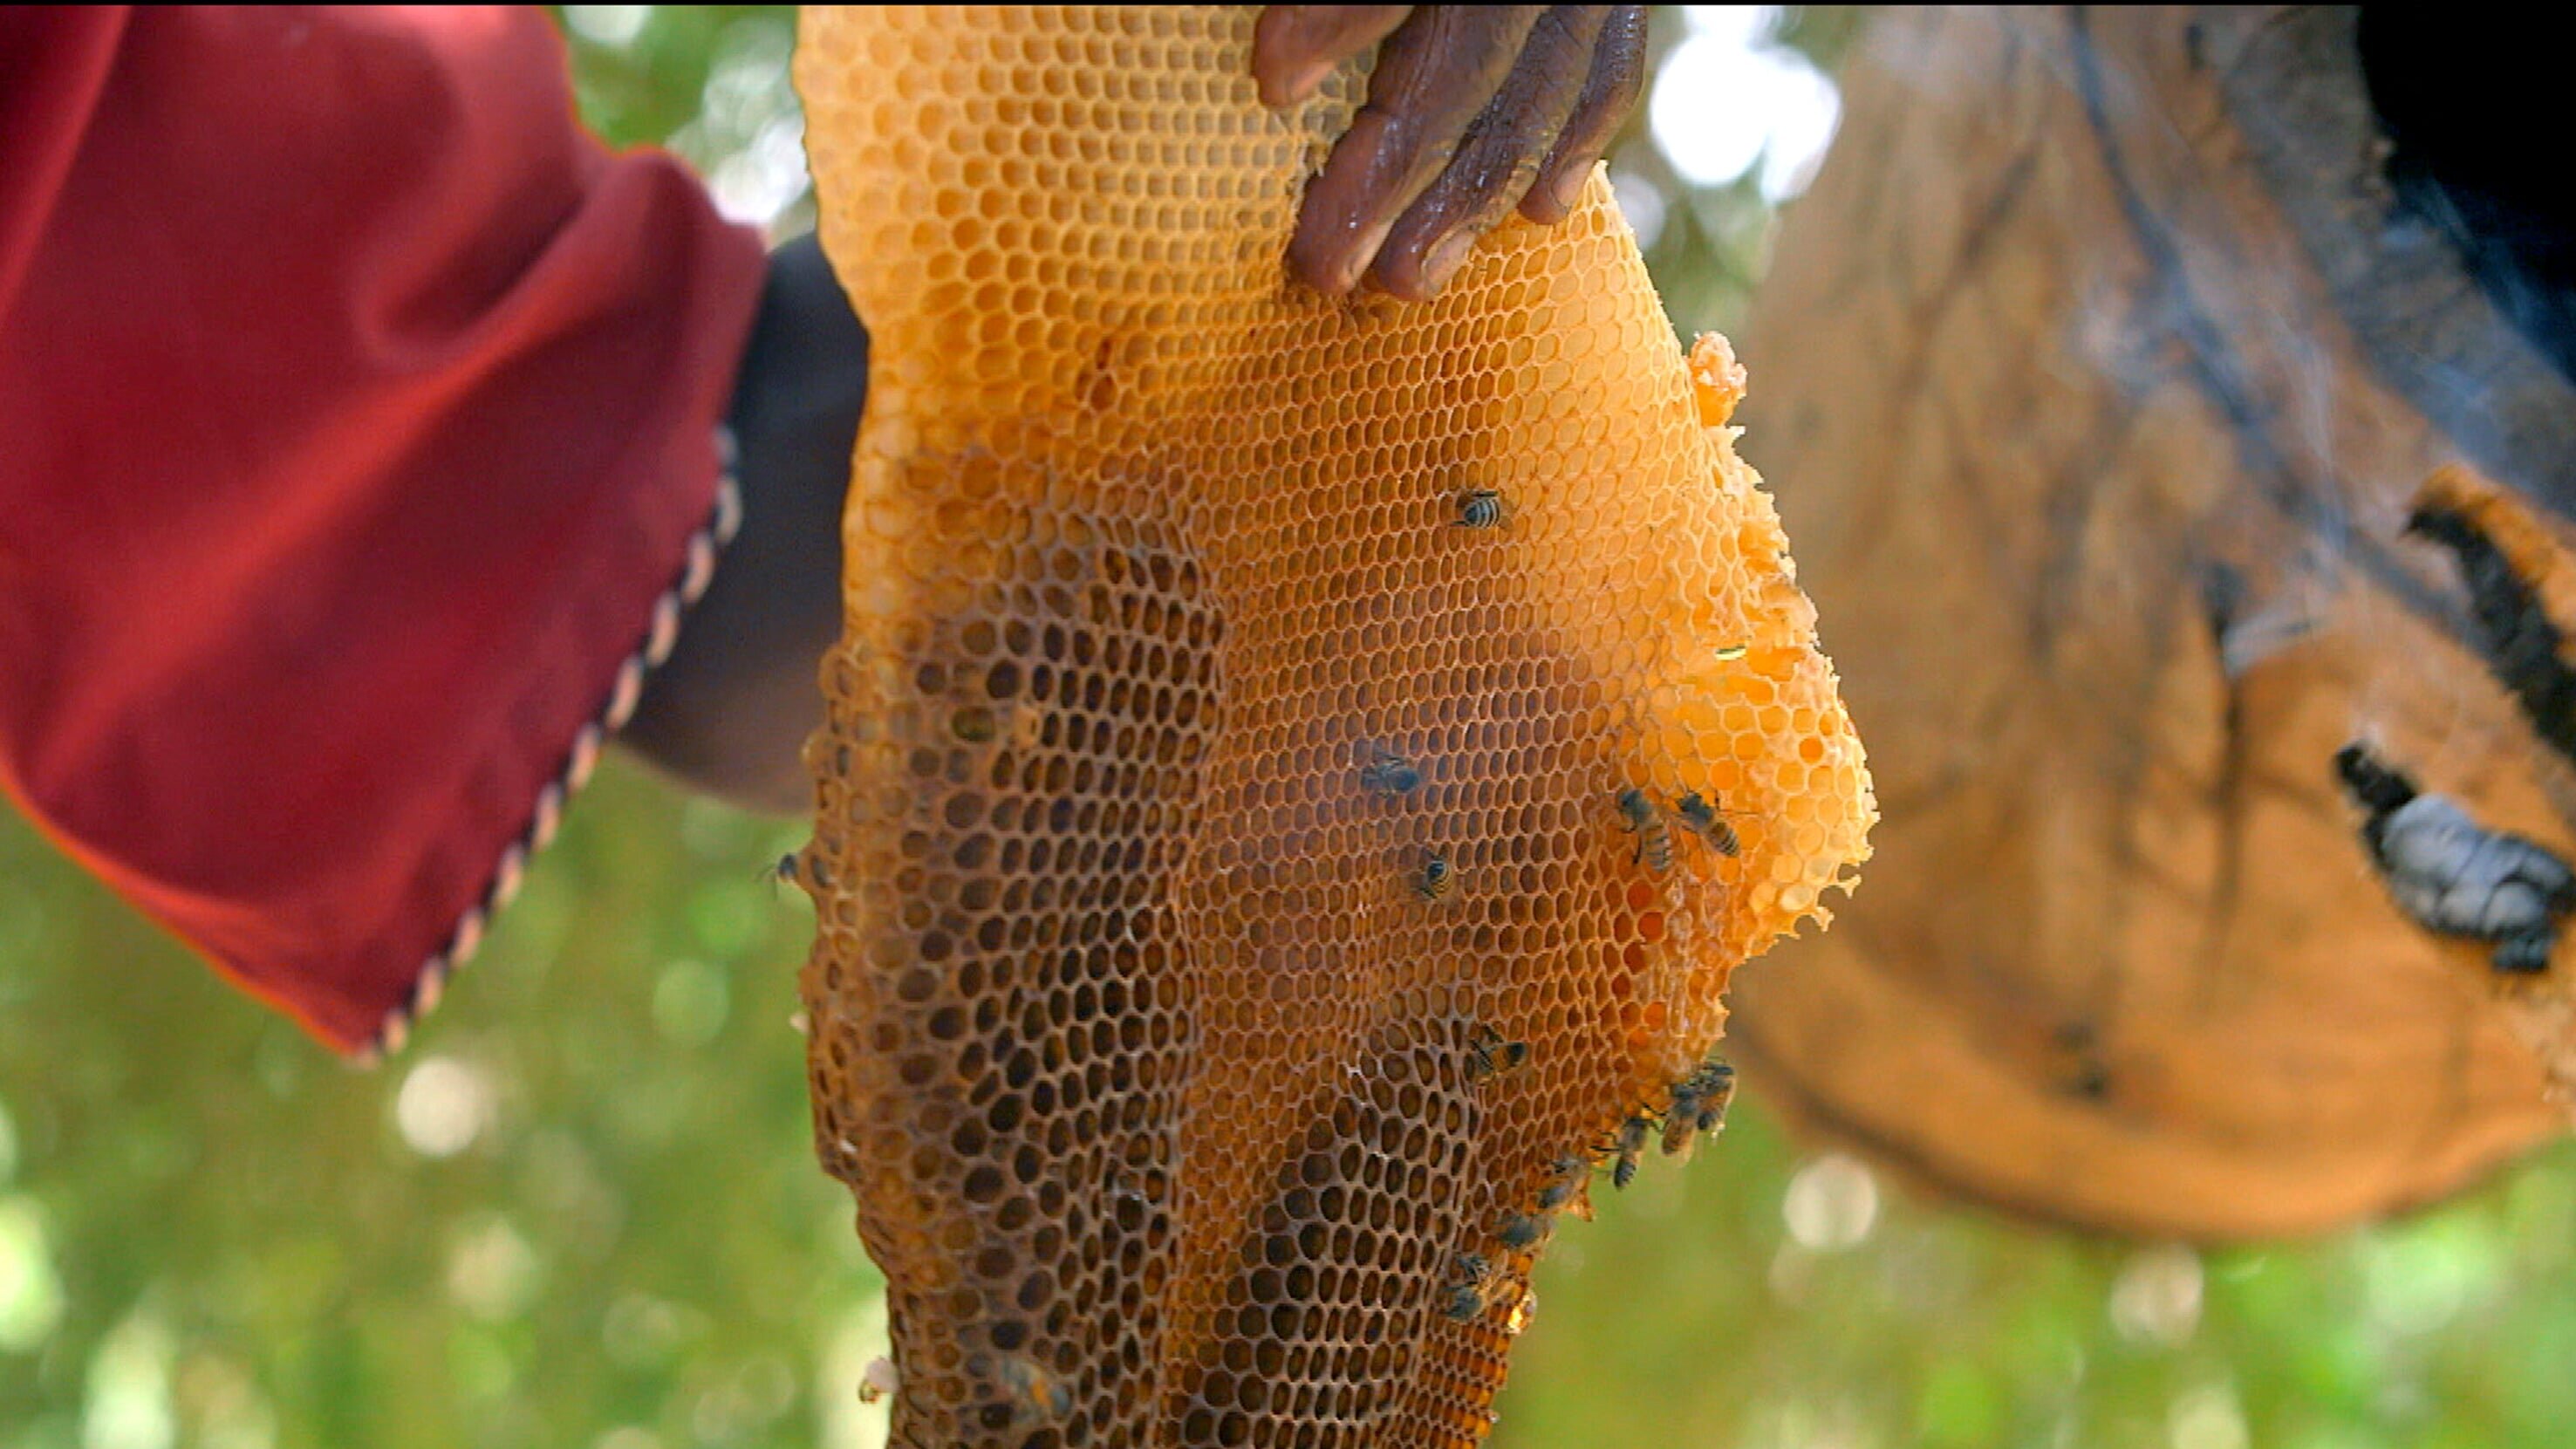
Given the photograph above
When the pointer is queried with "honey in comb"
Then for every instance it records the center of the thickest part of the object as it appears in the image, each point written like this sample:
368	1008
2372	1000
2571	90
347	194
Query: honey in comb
1149	1064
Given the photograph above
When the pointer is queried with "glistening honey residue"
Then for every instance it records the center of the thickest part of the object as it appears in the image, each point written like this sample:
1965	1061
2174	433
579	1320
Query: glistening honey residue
1230	928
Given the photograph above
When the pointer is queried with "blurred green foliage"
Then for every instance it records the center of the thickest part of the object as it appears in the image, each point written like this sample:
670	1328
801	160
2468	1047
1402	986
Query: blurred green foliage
582	1209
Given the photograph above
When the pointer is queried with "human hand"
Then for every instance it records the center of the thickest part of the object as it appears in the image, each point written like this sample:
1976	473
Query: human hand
1472	109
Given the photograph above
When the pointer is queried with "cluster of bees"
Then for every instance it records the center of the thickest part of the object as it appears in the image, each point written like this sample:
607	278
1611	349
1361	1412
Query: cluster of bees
1032	1396
1387	773
1693	813
1697	1109
1699	1101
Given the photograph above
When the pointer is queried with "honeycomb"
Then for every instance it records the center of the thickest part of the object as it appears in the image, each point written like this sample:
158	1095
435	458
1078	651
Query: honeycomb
1229	927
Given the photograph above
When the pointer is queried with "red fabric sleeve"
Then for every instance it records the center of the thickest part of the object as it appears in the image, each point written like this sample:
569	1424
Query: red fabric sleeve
358	444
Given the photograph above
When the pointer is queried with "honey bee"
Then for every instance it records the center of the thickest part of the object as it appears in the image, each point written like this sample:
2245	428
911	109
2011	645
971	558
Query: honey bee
1482	508
1654	840
1488	1055
1699	1105
1565	1179
1522	1232
1569	1188
1037	1396
783	871
1436	878
1707	822
1388	773
1471	1288
1466	1302
1627	1147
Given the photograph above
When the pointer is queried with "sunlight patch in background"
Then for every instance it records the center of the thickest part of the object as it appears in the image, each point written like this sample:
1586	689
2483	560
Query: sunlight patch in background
644	1334
691	1003
128	1405
1730	97
2208	1418
492	1272
1832	1204
2417	1278
443	1106
31	1296
1642	203
2157	1297
746	1404
611	25
749	137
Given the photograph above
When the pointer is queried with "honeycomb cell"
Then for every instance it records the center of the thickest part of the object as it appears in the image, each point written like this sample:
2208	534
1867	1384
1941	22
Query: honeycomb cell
1165	1069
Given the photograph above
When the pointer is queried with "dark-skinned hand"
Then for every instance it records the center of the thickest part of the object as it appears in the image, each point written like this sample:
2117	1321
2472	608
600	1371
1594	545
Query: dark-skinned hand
1472	112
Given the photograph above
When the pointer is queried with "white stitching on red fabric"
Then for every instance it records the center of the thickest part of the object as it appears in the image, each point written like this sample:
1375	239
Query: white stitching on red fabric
661	632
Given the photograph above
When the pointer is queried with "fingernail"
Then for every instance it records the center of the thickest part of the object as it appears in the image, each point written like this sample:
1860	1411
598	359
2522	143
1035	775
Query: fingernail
1445	260
1308	81
1569	188
1355	262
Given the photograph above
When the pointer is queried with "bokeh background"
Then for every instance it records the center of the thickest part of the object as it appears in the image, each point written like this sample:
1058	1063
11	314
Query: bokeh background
582	1209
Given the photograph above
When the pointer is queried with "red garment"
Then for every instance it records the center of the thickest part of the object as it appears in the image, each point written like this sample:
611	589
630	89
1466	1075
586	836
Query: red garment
357	416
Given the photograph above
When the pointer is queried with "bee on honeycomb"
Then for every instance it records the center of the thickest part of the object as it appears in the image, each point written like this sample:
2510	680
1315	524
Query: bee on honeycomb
1699	1106
1472	1286
1654	838
1436	877
1388	773
1567	1179
1524	1232
1488	1055
1707	822
1033	1396
1483	508
1627	1147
